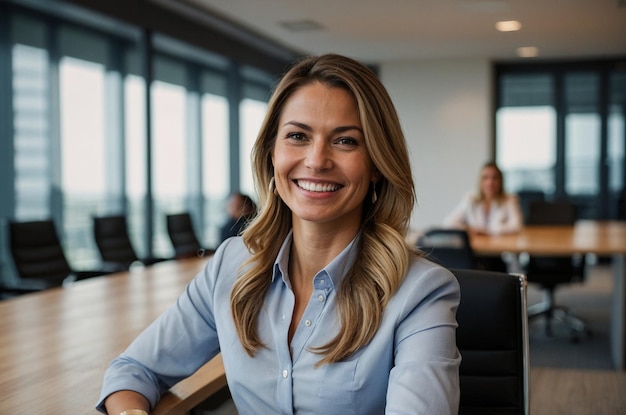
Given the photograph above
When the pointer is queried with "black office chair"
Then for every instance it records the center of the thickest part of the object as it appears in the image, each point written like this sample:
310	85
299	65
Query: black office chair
448	247
114	245
528	196
552	271
183	237
492	338
39	258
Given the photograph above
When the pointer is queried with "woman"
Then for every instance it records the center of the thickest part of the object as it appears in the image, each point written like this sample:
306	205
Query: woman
321	306
491	211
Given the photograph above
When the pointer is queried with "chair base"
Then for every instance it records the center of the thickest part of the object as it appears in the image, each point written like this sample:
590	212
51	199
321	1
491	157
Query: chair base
578	327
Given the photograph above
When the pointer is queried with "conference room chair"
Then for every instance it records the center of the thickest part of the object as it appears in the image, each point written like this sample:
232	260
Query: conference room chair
114	244
528	196
450	248
183	237
551	272
39	258
492	337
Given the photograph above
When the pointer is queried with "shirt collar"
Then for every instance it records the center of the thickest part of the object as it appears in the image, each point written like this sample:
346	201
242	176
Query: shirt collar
336	269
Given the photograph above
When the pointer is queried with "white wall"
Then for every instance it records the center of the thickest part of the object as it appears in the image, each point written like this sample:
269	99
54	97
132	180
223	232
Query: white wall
445	110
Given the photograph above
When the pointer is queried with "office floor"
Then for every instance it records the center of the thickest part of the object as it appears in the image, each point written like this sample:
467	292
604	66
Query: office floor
577	378
590	300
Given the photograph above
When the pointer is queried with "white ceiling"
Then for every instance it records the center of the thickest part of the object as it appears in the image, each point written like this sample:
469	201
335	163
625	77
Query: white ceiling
389	30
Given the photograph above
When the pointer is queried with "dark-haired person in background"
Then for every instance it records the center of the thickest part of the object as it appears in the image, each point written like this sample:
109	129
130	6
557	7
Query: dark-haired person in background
241	209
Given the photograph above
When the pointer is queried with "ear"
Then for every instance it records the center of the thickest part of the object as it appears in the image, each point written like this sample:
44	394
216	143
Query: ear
376	176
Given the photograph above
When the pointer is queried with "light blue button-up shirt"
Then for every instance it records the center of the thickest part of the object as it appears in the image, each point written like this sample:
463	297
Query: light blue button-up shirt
409	367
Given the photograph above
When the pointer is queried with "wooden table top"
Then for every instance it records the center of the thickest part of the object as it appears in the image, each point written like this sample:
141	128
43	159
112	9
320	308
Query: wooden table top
57	344
599	237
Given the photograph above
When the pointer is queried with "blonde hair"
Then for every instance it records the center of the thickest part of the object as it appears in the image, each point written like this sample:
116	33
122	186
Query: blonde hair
384	253
500	195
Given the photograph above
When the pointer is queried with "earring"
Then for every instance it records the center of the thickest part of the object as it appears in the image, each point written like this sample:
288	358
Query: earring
272	186
374	195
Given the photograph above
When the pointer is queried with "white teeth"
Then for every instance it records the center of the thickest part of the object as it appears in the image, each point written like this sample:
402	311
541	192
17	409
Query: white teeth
317	187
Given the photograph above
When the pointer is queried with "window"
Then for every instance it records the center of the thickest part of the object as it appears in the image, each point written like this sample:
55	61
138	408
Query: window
215	156
252	114
83	154
253	106
135	161
169	155
80	109
527	147
31	144
560	129
582	134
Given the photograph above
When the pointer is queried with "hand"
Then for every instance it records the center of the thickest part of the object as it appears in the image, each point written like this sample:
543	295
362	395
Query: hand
124	401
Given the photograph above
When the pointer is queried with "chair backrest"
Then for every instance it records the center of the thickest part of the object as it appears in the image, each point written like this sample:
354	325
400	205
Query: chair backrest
113	241
448	247
183	237
492	338
551	271
528	196
551	212
37	252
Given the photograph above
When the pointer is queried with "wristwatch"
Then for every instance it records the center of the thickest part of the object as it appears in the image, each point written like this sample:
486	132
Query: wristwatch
134	412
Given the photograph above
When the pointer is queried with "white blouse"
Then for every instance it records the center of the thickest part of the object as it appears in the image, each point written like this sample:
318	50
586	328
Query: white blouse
504	217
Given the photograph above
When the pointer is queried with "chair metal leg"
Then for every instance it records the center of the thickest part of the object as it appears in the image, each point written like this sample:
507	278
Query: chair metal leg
551	311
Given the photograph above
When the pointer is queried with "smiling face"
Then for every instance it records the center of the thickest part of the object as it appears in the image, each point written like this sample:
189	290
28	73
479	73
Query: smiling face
321	164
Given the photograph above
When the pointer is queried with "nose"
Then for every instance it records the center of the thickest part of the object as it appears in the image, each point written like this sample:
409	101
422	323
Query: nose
318	156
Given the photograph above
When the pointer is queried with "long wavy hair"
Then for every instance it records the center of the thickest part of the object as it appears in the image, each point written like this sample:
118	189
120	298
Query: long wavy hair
384	253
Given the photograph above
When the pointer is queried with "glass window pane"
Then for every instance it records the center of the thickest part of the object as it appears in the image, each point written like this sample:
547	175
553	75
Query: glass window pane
582	154
32	132
526	132
526	150
83	170
215	166
168	150
135	138
617	131
136	160
252	113
82	127
582	134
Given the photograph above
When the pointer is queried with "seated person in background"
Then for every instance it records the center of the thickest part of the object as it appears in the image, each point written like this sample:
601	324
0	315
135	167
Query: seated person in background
491	212
321	306
240	208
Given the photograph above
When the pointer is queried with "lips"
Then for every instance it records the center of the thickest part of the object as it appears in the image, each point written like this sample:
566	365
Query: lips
317	187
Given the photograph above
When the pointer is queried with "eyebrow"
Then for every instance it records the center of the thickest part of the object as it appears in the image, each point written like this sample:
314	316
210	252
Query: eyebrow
340	129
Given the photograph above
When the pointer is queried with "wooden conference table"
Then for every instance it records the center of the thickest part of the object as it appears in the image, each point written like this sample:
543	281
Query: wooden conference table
56	345
604	238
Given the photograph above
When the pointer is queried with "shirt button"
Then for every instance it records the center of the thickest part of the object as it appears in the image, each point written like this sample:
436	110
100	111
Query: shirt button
307	323
321	298
285	373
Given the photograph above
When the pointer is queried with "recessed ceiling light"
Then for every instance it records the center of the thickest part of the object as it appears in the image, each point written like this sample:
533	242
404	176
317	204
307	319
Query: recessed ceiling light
527	52
508	26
